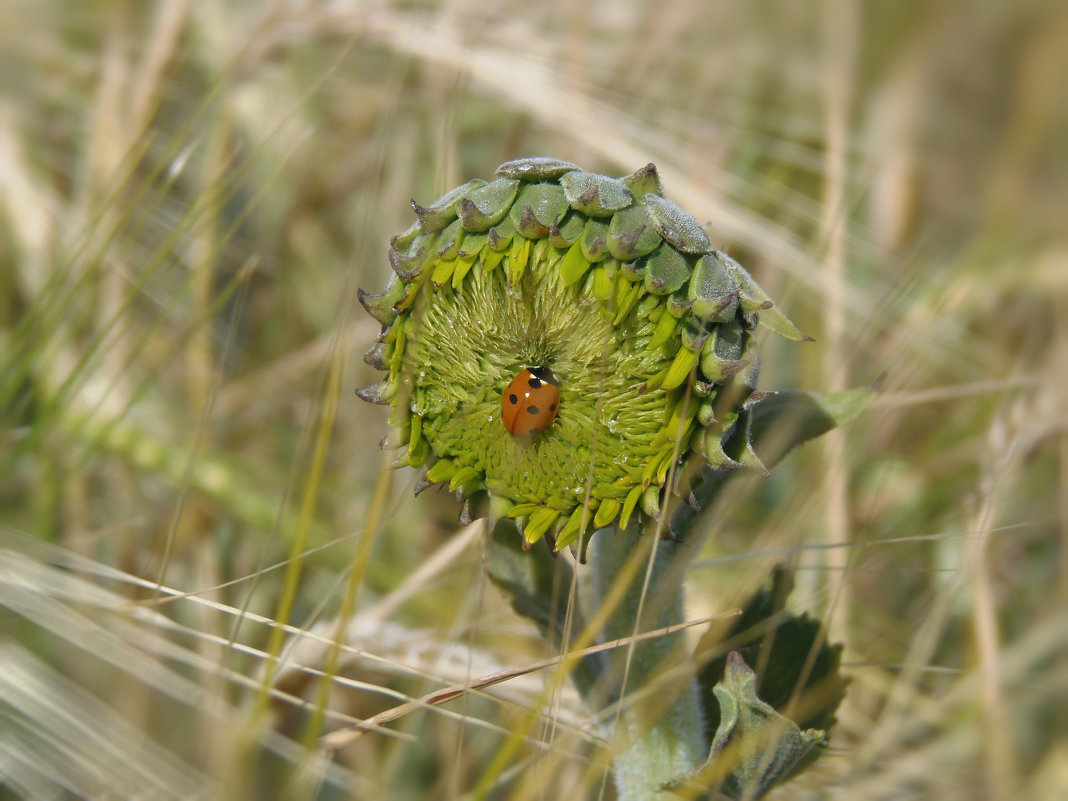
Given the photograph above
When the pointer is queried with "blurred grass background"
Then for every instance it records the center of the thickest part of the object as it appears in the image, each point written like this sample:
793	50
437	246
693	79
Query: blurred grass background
193	191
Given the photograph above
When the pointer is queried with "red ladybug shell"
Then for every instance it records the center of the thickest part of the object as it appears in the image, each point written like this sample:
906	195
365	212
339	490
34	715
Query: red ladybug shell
529	404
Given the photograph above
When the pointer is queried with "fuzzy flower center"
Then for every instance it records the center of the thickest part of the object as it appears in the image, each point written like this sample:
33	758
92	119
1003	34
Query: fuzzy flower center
474	339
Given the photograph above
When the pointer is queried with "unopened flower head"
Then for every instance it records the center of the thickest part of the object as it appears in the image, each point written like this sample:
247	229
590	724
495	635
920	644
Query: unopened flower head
612	299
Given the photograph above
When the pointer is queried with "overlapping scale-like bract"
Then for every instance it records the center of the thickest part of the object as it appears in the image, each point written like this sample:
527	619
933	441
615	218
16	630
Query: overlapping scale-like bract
607	283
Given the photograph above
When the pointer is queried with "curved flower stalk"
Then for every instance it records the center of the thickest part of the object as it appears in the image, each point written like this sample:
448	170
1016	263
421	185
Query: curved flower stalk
609	286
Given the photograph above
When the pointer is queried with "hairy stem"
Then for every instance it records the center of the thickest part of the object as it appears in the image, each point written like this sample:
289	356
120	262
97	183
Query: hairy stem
659	720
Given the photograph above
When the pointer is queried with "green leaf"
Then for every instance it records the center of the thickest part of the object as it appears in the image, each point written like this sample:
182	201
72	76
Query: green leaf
772	426
781	421
755	747
799	670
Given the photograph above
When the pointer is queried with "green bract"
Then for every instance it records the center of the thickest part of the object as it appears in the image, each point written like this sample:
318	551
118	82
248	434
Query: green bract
612	287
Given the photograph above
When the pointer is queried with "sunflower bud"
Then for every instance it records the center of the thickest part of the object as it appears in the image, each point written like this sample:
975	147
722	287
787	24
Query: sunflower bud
602	284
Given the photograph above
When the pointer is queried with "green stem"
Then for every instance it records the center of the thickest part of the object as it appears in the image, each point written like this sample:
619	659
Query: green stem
660	733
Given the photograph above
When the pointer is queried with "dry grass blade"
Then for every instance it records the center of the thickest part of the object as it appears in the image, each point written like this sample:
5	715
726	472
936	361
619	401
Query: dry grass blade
342	738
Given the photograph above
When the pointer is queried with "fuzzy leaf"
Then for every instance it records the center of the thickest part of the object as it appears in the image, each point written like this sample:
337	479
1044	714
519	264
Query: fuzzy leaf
777	423
765	727
754	747
783	644
783	420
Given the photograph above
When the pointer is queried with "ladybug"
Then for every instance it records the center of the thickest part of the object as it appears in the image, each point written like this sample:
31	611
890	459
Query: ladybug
529	404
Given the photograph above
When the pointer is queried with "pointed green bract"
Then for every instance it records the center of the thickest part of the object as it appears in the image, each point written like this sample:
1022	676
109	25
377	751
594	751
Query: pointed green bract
486	206
595	195
606	283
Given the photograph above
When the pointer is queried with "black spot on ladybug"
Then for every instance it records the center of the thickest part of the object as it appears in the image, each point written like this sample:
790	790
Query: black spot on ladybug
513	399
552	407
534	382
533	409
